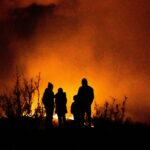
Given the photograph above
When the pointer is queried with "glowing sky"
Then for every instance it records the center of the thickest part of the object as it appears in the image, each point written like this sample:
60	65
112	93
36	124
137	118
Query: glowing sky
106	41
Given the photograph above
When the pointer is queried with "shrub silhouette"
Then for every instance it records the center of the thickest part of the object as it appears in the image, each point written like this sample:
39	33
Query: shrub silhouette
18	101
7	105
112	112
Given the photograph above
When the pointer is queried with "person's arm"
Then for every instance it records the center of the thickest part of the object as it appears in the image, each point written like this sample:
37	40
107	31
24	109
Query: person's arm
72	108
43	97
92	94
65	98
79	93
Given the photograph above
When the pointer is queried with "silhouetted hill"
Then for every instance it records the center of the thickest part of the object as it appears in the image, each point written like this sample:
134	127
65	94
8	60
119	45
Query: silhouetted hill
106	136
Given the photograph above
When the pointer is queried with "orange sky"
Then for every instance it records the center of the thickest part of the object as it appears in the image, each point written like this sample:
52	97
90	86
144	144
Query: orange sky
106	41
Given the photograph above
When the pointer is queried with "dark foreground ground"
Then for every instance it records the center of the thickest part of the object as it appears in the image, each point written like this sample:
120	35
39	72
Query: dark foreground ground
105	135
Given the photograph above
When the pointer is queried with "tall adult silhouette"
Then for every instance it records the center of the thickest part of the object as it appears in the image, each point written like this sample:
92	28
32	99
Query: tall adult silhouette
86	97
48	101
61	109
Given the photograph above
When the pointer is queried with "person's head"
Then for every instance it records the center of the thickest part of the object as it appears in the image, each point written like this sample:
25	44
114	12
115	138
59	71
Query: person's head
84	82
50	85
60	90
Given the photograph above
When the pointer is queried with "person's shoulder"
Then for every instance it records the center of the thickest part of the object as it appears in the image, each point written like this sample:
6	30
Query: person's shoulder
72	104
52	92
64	93
46	90
90	87
81	87
56	95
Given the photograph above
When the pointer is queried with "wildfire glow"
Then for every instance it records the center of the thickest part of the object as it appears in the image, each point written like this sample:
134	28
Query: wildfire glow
103	40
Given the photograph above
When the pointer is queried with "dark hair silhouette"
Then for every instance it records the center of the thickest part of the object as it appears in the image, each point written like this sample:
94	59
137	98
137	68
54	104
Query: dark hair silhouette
84	82
50	85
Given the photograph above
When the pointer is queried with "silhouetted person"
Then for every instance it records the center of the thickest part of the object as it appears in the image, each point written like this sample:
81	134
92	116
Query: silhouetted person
76	110
61	110
48	101
86	96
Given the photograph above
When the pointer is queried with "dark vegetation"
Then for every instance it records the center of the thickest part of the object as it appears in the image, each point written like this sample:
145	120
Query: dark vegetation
20	126
16	103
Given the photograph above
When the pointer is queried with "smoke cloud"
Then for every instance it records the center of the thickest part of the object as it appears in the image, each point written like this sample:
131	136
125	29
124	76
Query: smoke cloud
106	41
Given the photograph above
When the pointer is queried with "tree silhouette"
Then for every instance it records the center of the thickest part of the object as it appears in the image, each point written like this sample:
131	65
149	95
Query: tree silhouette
7	105
18	101
28	92
17	94
113	112
39	111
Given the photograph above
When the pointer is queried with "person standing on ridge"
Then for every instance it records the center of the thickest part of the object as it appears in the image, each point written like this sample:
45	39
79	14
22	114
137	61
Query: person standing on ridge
86	97
61	109
48	101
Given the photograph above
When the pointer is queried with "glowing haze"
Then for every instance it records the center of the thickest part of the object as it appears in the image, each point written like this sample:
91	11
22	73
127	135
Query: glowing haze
106	41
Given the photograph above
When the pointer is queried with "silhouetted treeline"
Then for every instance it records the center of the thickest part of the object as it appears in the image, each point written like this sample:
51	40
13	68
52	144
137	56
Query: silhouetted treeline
17	102
111	114
16	112
111	111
